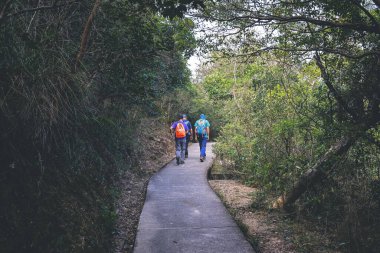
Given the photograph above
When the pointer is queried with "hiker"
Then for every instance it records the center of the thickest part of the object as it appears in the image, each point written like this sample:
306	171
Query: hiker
202	133
188	135
180	131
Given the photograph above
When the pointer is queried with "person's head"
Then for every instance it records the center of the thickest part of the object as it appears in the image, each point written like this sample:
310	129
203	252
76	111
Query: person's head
180	116
202	116
184	117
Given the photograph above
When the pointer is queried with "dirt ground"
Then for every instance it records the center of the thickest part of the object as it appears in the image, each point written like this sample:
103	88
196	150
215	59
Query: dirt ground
269	232
133	188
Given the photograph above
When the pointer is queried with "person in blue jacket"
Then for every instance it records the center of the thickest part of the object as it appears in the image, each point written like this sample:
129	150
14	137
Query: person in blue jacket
202	133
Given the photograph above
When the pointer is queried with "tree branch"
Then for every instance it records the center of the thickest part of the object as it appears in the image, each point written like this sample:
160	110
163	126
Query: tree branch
332	89
295	19
41	8
369	15
317	171
313	49
356	27
4	8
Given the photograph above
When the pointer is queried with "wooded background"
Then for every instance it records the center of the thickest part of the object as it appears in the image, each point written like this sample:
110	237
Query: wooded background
78	79
292	92
295	92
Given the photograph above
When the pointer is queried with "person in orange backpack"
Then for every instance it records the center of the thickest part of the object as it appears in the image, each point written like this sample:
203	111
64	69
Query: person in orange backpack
180	130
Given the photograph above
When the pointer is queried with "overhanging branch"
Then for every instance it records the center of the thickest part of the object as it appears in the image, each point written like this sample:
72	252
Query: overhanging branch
312	49
295	19
332	89
41	8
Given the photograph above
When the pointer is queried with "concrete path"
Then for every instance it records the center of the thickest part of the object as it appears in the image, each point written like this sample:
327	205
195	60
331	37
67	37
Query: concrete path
183	214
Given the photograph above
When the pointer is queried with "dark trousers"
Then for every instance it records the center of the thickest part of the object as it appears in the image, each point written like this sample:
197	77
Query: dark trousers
180	145
187	144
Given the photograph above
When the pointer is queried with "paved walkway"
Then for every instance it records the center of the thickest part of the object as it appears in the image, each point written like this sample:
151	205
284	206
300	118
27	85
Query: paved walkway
182	213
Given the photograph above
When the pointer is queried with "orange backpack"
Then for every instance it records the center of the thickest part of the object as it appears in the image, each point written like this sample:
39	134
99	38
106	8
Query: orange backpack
180	131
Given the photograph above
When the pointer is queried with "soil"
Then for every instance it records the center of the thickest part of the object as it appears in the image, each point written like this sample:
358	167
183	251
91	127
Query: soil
133	188
128	210
269	231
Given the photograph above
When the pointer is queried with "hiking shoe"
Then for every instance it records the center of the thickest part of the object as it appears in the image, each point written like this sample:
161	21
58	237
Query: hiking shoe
177	161
202	158
186	155
182	162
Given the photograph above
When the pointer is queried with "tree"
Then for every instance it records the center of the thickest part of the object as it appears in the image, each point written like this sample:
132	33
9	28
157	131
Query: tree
343	38
74	74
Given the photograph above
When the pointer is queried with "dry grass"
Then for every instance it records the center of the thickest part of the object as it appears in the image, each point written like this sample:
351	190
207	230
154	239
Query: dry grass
271	232
157	149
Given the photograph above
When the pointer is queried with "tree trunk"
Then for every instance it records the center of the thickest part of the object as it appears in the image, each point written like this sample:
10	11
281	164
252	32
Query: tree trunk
316	173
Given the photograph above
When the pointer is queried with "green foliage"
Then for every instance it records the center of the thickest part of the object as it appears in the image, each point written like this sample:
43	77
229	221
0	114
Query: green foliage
282	110
69	131
342	36
277	123
295	108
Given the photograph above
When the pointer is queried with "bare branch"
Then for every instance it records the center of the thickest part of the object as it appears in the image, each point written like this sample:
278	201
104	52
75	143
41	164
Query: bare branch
335	51
41	8
4	8
264	19
318	170
332	89
313	49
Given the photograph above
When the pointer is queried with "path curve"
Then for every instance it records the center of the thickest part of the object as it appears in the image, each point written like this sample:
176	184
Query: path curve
182	213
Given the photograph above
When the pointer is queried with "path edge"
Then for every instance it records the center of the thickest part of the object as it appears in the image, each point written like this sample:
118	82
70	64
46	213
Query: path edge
146	184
